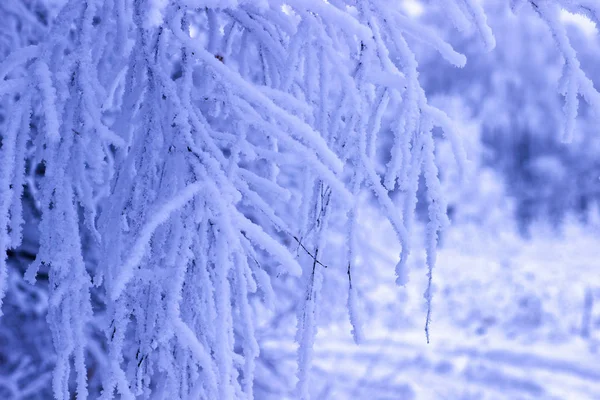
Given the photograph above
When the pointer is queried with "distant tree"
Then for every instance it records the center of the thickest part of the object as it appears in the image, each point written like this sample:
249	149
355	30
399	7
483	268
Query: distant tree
513	92
179	157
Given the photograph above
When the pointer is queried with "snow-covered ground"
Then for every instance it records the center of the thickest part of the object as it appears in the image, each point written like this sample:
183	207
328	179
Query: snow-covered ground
512	319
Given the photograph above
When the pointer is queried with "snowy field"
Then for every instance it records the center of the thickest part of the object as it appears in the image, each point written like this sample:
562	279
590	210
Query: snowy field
513	318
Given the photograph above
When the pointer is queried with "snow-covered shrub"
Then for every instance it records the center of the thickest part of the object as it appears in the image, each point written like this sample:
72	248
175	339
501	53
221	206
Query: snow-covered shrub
184	152
185	159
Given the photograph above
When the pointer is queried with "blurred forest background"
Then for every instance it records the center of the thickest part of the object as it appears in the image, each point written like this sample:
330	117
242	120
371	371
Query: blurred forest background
516	283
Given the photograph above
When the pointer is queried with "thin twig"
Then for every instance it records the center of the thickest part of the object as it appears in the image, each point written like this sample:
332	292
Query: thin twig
309	253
